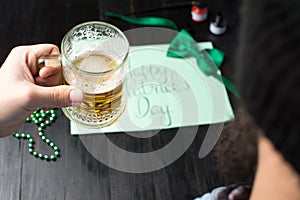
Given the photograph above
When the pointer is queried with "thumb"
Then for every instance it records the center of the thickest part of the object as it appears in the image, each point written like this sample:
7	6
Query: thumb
57	96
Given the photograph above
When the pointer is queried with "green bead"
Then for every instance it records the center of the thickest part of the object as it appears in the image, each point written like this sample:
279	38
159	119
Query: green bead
43	137
56	153
28	119
30	150
42	125
55	148
52	144
36	121
37	115
46	157
47	122
41	119
51	119
40	129
30	145
23	135
31	140
17	135
35	154
43	114
41	133
53	157
28	136
47	141
52	111
41	155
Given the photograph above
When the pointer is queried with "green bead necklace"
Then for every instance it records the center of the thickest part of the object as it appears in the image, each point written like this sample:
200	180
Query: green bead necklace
42	119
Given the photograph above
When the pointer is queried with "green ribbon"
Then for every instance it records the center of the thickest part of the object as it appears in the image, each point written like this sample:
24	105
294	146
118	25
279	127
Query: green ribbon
148	21
183	46
209	60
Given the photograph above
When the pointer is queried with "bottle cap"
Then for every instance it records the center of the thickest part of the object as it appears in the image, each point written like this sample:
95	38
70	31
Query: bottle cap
218	25
199	11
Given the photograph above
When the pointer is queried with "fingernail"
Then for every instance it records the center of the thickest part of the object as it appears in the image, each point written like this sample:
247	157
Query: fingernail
76	96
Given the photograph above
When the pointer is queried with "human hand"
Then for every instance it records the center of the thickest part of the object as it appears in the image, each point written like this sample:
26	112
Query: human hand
24	88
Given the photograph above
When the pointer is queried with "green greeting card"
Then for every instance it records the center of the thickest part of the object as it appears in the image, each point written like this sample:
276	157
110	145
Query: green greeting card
164	92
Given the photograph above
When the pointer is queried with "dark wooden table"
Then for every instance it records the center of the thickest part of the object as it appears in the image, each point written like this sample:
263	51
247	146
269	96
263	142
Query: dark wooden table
77	175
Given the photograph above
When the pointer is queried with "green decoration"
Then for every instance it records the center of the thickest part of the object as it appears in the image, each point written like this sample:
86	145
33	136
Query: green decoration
42	119
148	21
209	61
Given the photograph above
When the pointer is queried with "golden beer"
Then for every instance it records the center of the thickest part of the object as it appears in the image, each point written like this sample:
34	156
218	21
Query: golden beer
103	95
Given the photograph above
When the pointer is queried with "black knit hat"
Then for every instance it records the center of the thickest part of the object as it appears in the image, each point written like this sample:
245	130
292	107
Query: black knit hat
268	73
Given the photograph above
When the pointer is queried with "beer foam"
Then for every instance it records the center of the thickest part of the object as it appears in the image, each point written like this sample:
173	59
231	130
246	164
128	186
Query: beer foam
94	62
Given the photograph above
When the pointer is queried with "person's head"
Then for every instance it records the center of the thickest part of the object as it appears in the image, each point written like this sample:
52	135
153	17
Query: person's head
269	71
236	150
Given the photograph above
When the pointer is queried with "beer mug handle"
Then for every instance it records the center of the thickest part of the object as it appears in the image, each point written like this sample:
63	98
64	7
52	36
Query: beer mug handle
49	60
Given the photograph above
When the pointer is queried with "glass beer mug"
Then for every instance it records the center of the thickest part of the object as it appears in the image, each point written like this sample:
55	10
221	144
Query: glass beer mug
93	58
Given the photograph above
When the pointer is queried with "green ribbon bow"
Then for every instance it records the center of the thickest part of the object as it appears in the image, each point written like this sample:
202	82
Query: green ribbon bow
183	46
209	60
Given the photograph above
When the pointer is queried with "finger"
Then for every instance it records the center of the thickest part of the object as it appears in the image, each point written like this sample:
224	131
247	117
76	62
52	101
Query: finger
44	49
33	52
48	71
57	96
52	80
239	193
